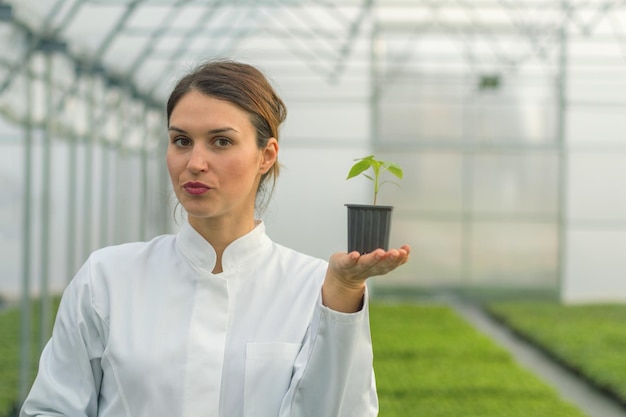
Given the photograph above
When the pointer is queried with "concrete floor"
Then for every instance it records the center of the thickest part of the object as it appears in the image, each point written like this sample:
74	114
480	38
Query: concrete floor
571	388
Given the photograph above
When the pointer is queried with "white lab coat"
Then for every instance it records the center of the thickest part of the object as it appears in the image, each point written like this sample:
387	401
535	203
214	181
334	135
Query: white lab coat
146	329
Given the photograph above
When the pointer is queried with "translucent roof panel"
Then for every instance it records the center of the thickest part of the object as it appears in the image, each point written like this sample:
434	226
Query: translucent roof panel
148	43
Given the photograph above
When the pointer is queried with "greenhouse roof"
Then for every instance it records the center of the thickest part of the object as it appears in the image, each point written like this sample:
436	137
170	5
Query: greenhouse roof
144	44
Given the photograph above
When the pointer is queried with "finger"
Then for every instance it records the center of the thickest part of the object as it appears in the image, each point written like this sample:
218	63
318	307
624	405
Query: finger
393	254
374	256
400	256
378	262
391	260
354	255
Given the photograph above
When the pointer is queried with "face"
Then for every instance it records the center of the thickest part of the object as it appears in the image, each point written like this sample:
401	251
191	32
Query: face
213	159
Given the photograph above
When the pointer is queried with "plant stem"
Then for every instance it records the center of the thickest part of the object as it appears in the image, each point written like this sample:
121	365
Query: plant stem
376	168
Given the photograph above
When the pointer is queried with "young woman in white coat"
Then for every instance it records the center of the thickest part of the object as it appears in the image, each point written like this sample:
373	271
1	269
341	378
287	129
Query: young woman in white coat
217	320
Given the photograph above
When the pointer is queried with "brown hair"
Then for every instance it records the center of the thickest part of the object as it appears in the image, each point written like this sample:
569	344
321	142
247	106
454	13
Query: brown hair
245	86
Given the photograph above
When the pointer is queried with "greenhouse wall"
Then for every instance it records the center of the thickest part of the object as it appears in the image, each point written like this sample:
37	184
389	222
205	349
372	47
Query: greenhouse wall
508	122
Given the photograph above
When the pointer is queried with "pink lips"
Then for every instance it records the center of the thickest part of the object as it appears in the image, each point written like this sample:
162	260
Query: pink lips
196	188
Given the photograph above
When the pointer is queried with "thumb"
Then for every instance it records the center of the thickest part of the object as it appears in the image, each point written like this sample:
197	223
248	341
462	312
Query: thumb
344	260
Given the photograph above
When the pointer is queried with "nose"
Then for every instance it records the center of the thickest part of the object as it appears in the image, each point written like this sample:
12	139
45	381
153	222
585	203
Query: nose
197	160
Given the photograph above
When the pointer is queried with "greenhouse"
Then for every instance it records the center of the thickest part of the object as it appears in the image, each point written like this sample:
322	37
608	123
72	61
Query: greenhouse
506	117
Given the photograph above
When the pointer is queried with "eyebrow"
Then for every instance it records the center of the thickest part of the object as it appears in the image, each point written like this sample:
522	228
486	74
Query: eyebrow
211	132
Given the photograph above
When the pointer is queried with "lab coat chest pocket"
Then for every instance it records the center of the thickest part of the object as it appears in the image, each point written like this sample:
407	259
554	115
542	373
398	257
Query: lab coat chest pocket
269	367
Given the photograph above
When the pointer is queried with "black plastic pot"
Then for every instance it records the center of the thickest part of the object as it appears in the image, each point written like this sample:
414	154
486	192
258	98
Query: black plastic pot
368	227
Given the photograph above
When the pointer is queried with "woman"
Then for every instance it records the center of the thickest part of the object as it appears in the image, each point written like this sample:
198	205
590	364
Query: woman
217	320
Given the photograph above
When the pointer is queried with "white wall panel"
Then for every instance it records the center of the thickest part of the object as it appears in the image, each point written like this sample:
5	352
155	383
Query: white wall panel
597	187
595	266
592	126
514	255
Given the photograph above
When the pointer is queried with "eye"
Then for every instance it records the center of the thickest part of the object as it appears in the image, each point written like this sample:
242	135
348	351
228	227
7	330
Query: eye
222	142
181	141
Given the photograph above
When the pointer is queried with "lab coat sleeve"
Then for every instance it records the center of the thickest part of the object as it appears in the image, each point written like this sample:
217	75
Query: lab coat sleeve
333	373
69	376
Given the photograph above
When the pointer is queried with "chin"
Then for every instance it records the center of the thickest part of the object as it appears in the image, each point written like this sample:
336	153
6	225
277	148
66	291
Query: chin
200	214
194	211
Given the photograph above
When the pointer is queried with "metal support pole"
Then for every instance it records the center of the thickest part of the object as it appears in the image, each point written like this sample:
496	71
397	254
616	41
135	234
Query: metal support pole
375	79
46	173
467	216
88	166
119	220
107	186
350	40
25	305
72	182
143	206
468	156
164	182
563	152
105	181
374	97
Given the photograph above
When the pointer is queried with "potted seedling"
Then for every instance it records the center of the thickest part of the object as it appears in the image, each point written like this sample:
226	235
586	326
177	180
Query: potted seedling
369	225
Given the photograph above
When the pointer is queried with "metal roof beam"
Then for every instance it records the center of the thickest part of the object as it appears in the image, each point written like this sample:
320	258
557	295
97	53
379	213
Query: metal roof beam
119	26
601	10
482	4
70	15
309	24
346	49
95	65
237	36
336	14
183	44
156	34
312	57
470	11
6	12
401	28
531	35
221	32
34	42
401	60
267	53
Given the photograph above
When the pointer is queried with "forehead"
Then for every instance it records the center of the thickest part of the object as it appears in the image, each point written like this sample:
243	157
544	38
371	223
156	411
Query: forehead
194	104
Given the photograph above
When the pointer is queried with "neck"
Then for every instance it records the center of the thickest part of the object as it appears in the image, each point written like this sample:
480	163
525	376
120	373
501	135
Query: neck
220	233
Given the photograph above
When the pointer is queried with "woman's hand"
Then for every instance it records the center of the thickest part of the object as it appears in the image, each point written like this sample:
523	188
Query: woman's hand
344	285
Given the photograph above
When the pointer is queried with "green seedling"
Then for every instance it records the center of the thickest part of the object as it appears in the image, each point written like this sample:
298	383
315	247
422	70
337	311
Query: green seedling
378	167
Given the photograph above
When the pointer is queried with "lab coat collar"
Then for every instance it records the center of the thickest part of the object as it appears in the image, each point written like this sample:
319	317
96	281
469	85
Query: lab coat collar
201	253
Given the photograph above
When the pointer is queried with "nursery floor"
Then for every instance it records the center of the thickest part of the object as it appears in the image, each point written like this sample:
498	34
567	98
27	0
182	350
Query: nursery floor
571	388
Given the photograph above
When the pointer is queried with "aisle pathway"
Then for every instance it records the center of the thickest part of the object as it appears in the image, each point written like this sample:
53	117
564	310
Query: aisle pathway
570	387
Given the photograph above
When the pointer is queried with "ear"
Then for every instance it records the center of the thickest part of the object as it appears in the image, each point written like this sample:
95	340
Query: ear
269	155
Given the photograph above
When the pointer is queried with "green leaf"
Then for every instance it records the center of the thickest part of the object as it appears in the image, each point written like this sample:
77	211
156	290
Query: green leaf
363	165
394	169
